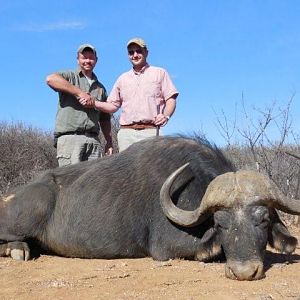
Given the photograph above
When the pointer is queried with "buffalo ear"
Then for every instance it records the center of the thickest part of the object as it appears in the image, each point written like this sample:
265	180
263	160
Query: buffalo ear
210	246
279	236
280	239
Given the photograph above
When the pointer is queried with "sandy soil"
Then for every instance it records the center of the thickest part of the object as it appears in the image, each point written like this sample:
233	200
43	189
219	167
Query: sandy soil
50	277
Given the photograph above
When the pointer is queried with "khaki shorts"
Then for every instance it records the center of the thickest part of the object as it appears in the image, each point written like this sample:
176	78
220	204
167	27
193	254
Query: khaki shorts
72	149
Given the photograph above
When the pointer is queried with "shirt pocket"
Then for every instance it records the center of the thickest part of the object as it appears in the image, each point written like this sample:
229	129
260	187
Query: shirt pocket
152	89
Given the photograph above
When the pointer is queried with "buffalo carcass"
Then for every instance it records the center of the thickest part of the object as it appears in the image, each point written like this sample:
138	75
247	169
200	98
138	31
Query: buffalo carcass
166	197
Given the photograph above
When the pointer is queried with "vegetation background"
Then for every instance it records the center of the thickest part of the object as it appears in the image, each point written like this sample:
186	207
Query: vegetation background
268	144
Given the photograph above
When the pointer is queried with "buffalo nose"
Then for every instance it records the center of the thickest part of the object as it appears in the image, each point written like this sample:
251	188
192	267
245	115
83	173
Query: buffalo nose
250	270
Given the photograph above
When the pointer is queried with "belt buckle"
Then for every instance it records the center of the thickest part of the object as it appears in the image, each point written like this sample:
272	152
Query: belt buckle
136	126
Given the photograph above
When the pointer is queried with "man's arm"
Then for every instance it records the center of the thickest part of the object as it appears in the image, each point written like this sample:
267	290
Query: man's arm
105	126
162	118
60	84
170	107
105	106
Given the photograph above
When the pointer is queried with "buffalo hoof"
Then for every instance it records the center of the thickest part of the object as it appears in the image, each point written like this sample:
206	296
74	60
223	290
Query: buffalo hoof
18	251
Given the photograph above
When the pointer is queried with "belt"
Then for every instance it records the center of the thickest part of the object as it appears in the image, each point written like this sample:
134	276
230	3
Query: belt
138	126
86	133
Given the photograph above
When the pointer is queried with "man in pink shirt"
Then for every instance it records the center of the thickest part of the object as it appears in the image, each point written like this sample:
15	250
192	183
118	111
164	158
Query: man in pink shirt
146	95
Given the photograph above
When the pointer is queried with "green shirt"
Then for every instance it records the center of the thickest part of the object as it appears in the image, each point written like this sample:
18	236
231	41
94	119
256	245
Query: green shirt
71	115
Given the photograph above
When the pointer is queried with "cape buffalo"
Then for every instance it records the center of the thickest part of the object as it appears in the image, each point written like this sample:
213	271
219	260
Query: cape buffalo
166	197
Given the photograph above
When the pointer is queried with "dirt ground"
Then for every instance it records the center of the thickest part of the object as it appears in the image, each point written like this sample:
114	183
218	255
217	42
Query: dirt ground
50	277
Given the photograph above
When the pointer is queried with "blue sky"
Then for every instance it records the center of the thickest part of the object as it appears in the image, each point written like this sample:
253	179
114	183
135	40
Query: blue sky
217	53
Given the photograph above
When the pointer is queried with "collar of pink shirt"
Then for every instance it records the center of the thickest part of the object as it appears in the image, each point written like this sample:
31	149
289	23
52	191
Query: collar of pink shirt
142	69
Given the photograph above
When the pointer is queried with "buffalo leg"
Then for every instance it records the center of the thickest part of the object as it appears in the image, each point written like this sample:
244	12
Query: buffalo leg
23	216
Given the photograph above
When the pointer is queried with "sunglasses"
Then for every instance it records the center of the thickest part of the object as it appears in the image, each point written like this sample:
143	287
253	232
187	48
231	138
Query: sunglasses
138	51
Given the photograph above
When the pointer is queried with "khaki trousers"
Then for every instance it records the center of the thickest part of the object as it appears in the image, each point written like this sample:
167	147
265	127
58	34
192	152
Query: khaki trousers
72	149
127	137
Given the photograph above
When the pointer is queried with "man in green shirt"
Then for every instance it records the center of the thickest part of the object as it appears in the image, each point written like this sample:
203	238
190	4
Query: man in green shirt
77	127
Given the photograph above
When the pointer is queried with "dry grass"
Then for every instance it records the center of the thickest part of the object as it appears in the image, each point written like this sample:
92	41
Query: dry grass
26	151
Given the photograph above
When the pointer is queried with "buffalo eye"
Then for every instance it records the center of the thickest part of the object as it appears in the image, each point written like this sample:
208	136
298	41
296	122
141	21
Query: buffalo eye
222	219
261	216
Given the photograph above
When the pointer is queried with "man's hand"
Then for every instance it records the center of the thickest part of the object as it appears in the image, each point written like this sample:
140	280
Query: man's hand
86	100
161	120
108	150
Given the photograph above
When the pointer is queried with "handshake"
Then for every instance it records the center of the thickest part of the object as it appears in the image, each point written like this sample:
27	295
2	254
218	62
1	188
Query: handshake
86	100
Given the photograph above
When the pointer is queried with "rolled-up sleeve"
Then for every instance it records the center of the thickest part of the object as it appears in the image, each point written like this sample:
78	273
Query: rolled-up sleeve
114	96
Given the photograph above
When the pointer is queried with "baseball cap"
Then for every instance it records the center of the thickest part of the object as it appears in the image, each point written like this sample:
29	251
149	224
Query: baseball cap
140	42
85	46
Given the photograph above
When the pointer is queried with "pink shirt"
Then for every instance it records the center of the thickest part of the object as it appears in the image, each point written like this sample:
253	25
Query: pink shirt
140	93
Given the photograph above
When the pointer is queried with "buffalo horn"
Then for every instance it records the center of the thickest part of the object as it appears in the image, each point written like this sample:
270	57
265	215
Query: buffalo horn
244	187
179	216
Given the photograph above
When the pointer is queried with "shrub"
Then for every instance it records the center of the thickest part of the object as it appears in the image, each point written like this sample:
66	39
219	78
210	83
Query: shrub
25	151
